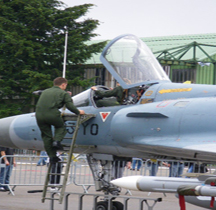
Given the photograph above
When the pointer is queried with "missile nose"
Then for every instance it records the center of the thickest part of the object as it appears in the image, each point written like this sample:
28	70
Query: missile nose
129	182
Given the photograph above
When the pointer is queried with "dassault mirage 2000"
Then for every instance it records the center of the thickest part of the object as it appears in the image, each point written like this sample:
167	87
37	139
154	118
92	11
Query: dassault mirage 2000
169	120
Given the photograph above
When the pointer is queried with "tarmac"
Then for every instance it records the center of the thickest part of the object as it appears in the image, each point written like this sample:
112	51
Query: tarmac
22	200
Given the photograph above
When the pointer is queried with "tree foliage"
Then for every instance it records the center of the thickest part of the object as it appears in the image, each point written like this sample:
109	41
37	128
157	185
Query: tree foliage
32	37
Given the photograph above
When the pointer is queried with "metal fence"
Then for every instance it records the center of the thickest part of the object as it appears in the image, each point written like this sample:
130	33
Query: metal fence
25	152
28	173
82	175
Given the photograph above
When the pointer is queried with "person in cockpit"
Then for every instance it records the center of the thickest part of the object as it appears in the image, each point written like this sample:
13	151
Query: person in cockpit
140	92
116	92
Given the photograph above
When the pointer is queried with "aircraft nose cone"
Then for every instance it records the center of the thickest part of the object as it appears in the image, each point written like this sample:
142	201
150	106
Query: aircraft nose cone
5	127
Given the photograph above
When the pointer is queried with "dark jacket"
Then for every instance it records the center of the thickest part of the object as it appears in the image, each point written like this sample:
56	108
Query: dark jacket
8	151
55	98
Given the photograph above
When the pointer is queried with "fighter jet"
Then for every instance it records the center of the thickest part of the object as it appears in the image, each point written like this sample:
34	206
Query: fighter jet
167	120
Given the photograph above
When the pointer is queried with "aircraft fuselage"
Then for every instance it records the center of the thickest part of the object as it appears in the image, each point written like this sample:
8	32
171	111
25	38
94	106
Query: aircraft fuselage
168	124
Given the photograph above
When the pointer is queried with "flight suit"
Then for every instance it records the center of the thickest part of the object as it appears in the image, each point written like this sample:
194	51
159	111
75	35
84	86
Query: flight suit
117	92
47	114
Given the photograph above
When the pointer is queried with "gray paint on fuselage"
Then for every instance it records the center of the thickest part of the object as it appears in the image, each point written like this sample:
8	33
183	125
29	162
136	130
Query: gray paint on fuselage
197	91
182	123
5	127
119	131
88	135
25	133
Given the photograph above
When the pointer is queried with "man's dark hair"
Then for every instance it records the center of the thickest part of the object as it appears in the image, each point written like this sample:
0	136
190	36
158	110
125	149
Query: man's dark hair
59	80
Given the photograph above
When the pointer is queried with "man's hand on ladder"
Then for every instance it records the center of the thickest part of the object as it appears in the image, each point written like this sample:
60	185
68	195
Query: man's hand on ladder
82	112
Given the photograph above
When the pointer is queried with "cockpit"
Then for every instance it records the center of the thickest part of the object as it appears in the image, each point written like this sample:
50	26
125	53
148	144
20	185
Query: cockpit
133	65
88	97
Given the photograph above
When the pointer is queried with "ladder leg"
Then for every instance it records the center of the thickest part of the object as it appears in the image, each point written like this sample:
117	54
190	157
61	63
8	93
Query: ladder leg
46	183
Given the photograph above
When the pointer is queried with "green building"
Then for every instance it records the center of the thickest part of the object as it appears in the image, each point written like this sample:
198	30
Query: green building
191	57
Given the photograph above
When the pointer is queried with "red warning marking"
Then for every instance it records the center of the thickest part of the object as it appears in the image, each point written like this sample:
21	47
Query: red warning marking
104	115
163	104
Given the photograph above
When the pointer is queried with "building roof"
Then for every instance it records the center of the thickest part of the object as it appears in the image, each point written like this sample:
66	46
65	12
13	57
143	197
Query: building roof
167	42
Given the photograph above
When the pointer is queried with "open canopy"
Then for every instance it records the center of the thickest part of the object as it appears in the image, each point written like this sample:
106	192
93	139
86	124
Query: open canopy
131	62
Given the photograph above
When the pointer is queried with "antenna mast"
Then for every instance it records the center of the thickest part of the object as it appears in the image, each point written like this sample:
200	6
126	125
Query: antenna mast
65	54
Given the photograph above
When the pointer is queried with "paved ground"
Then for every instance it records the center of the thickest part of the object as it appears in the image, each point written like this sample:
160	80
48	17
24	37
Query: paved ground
29	201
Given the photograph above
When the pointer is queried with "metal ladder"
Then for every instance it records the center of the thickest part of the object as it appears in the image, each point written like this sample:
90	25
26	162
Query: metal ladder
66	117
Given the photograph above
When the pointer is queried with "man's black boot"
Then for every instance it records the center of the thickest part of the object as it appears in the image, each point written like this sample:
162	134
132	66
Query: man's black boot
57	145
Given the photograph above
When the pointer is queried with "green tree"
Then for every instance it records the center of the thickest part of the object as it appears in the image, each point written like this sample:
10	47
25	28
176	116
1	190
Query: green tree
32	37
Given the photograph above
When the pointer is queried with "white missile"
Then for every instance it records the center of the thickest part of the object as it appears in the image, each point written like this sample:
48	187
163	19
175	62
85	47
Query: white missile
205	190
153	183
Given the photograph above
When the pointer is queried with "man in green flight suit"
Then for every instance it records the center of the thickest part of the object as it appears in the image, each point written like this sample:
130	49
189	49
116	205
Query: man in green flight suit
117	92
48	114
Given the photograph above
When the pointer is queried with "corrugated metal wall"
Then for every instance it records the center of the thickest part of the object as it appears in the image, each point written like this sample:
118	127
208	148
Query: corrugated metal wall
205	74
188	73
